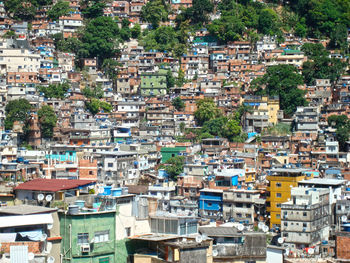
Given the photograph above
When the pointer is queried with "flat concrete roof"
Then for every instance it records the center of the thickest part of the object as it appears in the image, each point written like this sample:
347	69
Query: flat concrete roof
26	210
323	181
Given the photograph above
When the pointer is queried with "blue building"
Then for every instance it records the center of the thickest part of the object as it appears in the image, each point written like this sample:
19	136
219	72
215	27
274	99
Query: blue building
210	203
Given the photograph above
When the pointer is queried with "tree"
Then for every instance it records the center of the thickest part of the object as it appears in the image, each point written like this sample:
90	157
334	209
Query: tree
109	67
339	37
206	111
136	31
342	135
93	92
93	9
282	81
154	12
47	120
337	121
61	8
95	106
322	68
267	23
101	37
314	51
227	28
164	39
170	80
55	90
178	104
175	166
21	9
181	78
200	10
17	110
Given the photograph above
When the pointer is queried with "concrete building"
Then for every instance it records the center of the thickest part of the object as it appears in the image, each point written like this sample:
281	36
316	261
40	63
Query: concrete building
306	218
279	187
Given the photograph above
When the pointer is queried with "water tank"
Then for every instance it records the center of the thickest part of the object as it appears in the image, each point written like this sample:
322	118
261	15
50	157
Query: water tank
116	191
107	190
80	203
125	191
73	210
234	180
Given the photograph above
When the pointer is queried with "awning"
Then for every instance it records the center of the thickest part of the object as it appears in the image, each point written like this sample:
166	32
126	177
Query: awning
25	220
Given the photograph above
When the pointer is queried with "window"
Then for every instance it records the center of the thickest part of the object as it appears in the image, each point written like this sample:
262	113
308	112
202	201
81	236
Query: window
304	214
110	164
103	260
83	238
278	216
278	195
91	173
127	231
278	184
304	225
101	236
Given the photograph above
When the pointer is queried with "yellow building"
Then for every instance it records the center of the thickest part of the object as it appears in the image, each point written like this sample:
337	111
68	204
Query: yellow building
281	180
265	112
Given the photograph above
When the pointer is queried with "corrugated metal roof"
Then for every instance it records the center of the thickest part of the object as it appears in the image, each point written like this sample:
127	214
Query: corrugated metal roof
53	185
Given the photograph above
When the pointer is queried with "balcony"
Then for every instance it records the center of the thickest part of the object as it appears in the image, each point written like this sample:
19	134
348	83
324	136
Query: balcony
210	197
35	247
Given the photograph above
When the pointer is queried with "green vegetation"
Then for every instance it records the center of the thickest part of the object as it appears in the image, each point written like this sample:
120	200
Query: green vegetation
57	91
214	123
280	129
282	81
93	92
206	111
154	12
342	125
92	9
95	106
61	8
17	110
47	120
174	166
178	104
24	9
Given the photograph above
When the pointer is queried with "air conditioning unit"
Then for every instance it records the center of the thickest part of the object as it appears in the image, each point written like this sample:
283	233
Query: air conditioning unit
85	248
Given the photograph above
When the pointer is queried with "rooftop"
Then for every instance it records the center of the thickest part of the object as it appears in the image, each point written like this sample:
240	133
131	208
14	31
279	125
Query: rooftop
26	210
53	185
323	181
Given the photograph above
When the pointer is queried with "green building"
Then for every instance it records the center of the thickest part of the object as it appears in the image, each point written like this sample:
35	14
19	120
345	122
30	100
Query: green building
153	84
88	237
168	152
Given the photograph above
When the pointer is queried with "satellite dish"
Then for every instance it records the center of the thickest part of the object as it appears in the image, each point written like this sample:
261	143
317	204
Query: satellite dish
101	190
344	218
48	198
261	225
40	197
30	256
49	226
311	251
184	239
266	229
48	247
51	259
199	239
92	241
240	227
43	237
215	253
205	236
5	160
280	240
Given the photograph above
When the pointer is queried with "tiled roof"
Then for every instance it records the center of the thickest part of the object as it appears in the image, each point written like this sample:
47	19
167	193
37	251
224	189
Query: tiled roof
53	185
